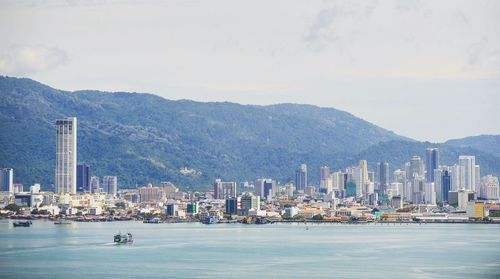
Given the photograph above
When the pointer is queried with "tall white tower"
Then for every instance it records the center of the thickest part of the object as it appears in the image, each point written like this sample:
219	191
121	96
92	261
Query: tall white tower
65	180
469	167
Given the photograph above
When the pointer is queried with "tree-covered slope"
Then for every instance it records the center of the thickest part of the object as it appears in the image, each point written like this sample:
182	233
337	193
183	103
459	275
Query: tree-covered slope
486	143
144	138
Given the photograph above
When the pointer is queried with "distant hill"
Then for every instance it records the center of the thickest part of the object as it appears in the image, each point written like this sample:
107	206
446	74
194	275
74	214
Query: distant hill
486	143
145	138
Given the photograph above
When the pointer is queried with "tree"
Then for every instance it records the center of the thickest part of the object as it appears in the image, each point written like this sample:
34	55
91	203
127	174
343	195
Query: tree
12	207
318	217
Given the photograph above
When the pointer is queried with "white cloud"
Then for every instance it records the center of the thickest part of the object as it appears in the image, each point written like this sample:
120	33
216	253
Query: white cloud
24	60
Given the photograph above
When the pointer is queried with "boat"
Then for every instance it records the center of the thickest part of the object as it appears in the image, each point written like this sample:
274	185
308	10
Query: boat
210	220
123	238
63	222
22	223
155	220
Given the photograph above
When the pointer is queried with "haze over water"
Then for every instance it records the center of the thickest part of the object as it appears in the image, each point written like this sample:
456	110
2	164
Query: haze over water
85	250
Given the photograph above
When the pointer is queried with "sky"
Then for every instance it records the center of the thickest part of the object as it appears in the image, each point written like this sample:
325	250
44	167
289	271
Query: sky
429	70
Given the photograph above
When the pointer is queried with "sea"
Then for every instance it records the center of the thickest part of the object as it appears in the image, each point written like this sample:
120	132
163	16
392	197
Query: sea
194	250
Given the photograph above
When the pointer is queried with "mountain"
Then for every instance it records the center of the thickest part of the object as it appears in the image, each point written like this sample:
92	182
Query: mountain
144	138
486	143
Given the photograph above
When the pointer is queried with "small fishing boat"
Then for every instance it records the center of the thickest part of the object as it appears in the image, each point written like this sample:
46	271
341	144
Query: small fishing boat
155	220
123	238
26	223
63	222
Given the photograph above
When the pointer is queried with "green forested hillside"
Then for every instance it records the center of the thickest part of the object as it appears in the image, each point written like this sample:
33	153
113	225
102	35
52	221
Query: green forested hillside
145	138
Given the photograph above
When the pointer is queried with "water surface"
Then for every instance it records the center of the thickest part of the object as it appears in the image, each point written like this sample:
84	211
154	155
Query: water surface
85	250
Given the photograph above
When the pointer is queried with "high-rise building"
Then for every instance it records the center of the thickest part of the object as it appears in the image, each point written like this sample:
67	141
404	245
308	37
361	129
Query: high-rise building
468	163
83	178
95	186
301	178
110	184
431	163
382	176
363	166
338	181
233	205
446	184
489	188
430	193
457	177
324	175
223	190
270	188
7	180
249	201
416	167
151	194
66	155
477	176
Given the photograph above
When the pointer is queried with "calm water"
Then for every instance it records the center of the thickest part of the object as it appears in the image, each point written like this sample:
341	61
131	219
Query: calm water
85	250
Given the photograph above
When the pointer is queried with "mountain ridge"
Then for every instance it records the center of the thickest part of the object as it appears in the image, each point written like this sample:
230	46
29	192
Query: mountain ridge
142	137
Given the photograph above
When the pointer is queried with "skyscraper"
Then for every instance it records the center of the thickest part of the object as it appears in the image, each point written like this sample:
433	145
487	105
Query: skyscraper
301	178
445	184
431	163
416	167
382	175
65	177
95	186
469	167
7	180
223	190
110	184
83	178
363	166
324	175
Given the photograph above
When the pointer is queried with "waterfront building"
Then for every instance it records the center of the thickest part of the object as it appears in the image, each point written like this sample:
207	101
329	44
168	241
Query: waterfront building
416	167
83	178
7	180
431	163
324	176
430	193
460	198
397	201
457	178
223	189
468	163
477	176
382	176
110	184
338	181
310	191
233	205
66	155
363	168
290	212
267	188
170	189
475	209
151	194
172	210
289	189
18	188
446	184
35	188
95	184
301	178
490	188
192	208
249	201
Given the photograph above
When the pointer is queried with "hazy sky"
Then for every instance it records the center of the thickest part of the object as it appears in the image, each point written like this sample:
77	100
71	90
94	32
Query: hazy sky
429	70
